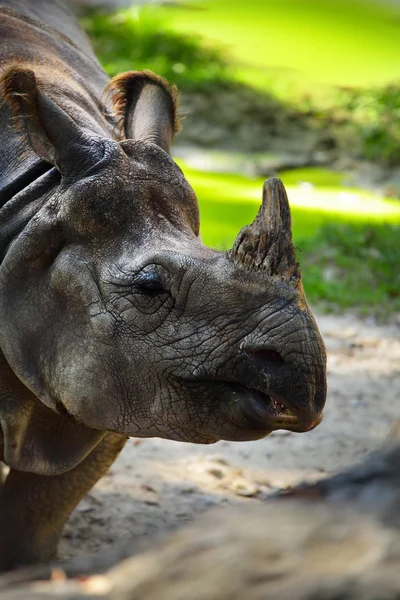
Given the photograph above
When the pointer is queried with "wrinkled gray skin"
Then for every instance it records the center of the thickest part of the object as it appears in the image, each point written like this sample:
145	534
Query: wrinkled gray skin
115	320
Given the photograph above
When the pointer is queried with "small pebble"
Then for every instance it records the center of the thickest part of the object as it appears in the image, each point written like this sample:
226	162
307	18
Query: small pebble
217	473
242	487
188	488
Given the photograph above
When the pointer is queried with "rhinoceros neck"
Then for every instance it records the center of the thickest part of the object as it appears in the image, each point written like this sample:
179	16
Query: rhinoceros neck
64	66
43	36
23	206
50	14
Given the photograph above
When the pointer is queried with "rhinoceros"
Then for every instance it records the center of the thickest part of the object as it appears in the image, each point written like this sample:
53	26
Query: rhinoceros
115	319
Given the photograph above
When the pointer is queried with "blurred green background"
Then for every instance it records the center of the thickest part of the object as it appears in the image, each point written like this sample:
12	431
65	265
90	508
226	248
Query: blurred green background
328	63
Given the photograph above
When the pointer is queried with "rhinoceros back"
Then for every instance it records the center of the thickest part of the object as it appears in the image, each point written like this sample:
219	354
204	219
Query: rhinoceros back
43	36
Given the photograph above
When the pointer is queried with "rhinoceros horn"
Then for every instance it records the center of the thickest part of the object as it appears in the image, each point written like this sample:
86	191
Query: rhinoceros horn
266	245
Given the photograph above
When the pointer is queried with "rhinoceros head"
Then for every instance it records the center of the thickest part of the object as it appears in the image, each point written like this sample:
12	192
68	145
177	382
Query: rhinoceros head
115	314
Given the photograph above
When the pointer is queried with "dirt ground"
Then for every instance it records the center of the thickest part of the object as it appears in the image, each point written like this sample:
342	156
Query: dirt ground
156	485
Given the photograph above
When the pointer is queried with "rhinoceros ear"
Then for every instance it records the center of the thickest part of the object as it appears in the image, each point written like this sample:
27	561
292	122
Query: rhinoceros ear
53	135
146	106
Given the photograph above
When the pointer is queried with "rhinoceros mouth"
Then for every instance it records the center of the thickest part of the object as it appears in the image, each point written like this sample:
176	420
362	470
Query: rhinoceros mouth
255	409
262	410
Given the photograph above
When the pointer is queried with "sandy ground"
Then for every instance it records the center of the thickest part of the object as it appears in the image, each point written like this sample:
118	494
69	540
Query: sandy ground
157	485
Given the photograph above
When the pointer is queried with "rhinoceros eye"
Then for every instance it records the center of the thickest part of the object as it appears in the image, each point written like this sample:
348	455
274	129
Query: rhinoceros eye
149	283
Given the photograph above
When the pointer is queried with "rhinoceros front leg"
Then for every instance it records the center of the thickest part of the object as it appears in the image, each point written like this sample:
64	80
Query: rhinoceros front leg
34	508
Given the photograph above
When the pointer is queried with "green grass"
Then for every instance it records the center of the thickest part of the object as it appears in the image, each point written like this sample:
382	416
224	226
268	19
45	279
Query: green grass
354	266
332	60
124	41
289	47
334	42
347	239
317	197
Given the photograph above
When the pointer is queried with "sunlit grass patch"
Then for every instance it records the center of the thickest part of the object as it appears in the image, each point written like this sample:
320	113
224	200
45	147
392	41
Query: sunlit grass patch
334	42
335	60
279	45
140	39
347	239
316	197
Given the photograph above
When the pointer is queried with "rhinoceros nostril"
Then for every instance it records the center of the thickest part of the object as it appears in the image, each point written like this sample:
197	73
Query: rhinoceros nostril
265	355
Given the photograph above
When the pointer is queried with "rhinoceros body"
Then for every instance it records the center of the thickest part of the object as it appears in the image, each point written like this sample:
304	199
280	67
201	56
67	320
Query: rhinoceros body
115	319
